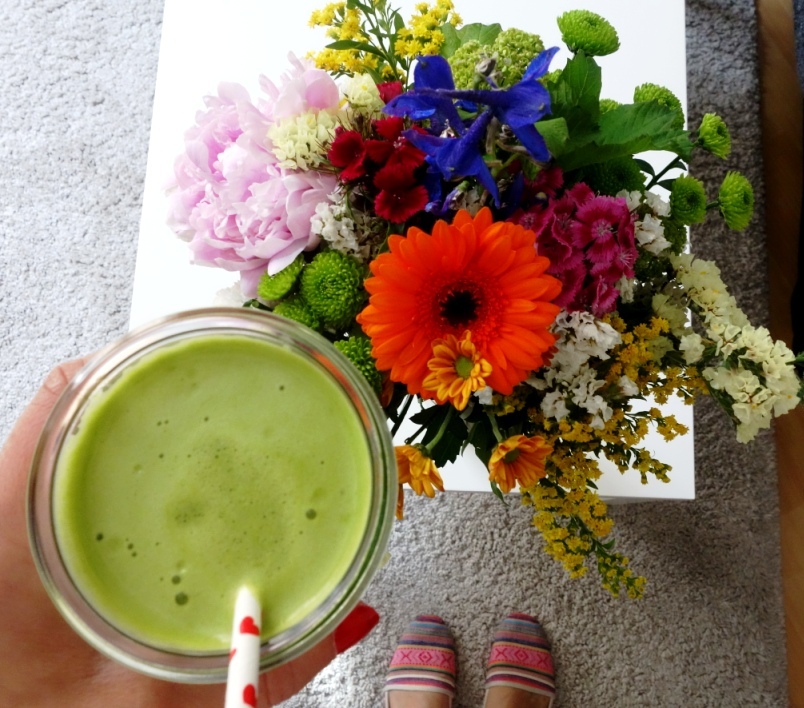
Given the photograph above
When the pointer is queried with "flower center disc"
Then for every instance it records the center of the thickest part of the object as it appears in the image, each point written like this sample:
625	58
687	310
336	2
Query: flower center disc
459	307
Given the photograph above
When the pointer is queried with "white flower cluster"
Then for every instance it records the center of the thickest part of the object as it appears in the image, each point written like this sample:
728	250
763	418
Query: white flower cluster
301	142
648	229
756	373
335	223
570	380
362	94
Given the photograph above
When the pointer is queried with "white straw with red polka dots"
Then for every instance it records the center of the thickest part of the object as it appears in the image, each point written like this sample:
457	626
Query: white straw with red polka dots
244	656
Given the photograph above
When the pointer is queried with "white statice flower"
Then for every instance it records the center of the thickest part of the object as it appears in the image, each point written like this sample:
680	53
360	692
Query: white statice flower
331	223
583	391
301	142
692	346
657	205
626	288
701	282
649	233
628	387
362	94
586	334
554	405
484	395
229	297
632	199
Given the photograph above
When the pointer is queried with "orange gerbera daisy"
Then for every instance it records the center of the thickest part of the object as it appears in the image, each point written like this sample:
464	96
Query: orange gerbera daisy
456	370
417	469
472	274
519	459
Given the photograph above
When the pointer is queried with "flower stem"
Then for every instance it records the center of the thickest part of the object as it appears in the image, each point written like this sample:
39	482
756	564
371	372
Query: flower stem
442	429
676	162
495	428
402	415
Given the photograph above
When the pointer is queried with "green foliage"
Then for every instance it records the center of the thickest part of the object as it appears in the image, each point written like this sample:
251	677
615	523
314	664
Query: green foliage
454	38
445	428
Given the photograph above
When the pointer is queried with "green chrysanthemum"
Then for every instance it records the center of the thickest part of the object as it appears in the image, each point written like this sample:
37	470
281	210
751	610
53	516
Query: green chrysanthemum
713	135
664	96
515	49
688	200
676	234
275	287
332	285
585	31
295	308
608	104
614	175
736	199
358	351
463	63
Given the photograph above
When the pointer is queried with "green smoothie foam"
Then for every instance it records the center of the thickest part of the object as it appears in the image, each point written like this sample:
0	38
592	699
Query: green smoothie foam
212	463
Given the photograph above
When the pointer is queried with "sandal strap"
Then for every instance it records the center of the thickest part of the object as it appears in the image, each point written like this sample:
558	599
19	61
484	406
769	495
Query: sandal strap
520	657
424	659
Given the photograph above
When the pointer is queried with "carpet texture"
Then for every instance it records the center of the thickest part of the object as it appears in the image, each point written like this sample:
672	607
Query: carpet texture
77	84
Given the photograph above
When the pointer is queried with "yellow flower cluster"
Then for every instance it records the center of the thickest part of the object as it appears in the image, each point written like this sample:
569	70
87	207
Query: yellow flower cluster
342	23
423	34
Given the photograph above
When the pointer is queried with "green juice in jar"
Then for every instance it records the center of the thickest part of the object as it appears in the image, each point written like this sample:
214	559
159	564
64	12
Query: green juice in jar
208	464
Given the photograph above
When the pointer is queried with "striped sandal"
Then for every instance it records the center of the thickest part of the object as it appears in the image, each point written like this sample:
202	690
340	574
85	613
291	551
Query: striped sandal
520	657
424	659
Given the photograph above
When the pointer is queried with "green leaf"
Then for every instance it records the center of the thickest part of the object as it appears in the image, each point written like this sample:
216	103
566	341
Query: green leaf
555	134
484	34
576	96
399	23
449	446
351	44
625	131
497	492
645	166
451	40
666	183
481	438
357	5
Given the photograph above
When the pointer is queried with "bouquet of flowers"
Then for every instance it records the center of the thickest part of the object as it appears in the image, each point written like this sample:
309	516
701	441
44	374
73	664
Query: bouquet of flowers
472	227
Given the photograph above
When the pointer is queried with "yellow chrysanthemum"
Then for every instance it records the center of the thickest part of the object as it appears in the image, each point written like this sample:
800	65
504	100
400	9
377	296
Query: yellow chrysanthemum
519	459
416	468
456	370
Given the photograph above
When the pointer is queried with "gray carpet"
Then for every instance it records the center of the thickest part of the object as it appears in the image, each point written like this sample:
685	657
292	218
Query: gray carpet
77	84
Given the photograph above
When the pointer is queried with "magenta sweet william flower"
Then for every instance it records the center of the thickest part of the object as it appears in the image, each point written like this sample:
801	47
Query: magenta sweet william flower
590	243
228	197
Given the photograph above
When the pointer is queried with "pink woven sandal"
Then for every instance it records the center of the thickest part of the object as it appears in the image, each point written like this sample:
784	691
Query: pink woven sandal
424	659
520	657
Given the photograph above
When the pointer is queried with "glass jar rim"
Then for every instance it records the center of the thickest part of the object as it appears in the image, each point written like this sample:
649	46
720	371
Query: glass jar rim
208	667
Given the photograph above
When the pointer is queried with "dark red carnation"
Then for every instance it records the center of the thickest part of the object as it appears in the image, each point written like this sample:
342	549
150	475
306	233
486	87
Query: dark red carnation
389	90
399	205
348	151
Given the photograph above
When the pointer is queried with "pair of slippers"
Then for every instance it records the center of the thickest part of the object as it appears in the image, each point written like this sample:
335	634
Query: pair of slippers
520	657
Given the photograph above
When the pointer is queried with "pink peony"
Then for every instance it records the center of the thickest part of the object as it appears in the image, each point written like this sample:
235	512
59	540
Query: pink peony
229	199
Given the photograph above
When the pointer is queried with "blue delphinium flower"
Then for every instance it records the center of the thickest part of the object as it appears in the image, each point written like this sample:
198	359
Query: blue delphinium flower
435	98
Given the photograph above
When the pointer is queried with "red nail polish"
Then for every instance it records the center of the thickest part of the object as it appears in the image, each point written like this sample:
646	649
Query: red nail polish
358	623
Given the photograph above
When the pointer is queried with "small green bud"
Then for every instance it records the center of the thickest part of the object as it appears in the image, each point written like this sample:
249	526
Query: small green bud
296	309
515	49
688	200
664	96
607	104
332	285
676	233
463	63
550	79
613	175
736	199
713	135
275	287
358	351
585	31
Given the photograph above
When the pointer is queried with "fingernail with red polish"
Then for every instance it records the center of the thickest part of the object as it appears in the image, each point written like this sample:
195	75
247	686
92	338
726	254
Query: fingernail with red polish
358	623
